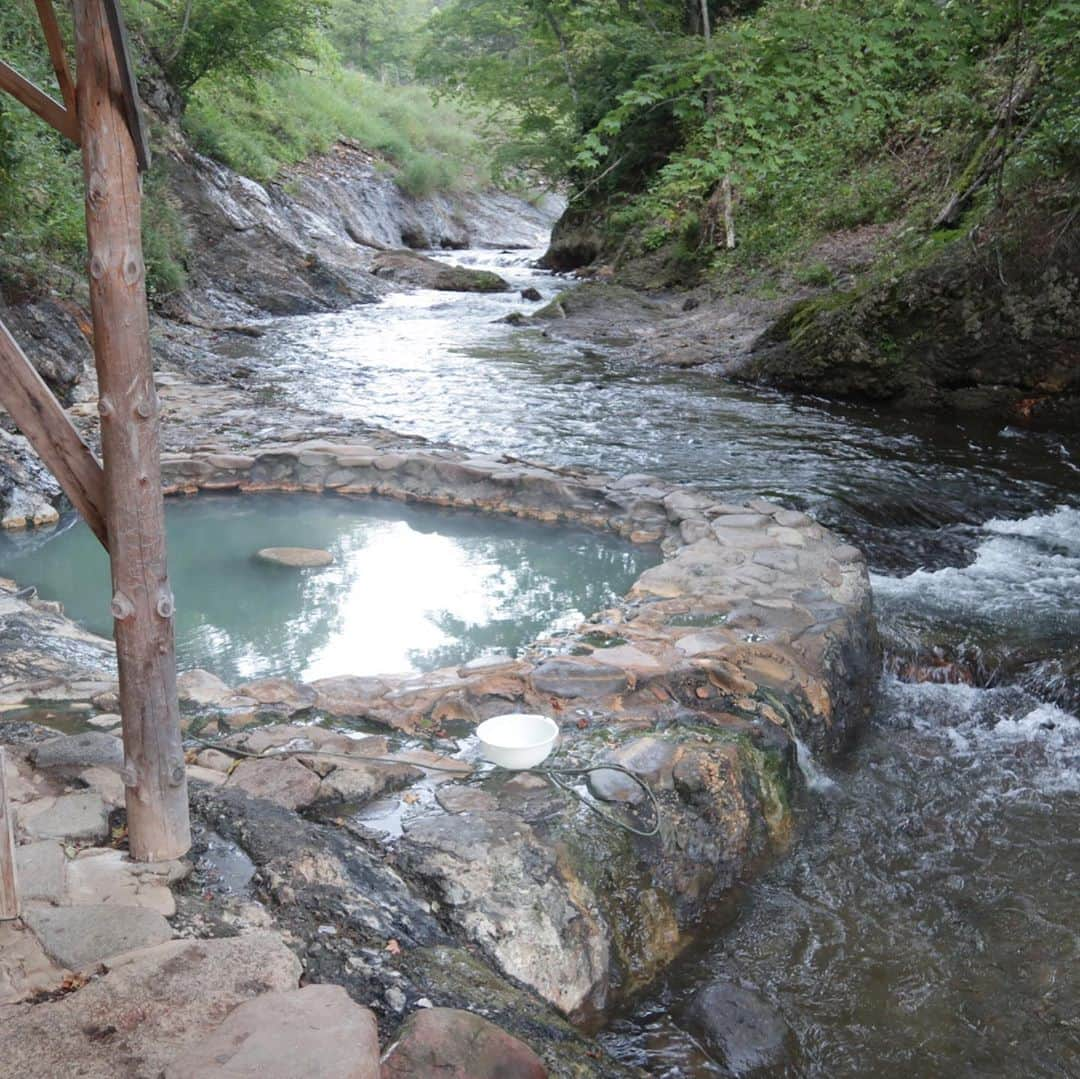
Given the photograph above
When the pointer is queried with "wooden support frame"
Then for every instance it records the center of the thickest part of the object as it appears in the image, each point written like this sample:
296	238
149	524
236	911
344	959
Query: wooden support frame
39	416
126	70
122	502
9	885
37	101
55	43
154	770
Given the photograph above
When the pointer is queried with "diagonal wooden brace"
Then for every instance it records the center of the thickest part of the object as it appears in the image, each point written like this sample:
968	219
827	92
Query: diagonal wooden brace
53	38
39	416
36	100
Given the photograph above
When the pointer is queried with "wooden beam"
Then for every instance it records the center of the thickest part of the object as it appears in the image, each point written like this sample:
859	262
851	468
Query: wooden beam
39	416
55	41
128	83
142	606
9	890
37	101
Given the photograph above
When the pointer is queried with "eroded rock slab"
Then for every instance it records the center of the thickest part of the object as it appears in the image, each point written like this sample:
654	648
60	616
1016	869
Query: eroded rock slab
80	937
149	1007
317	1032
80	816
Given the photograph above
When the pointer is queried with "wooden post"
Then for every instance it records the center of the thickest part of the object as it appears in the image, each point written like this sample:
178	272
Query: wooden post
9	891
142	603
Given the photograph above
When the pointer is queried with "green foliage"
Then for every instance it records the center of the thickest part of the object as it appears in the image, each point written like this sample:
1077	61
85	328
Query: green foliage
826	115
197	38
164	236
547	71
380	37
257	127
41	210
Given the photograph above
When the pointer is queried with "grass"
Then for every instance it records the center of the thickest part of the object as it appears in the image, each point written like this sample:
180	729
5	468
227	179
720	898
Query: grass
259	128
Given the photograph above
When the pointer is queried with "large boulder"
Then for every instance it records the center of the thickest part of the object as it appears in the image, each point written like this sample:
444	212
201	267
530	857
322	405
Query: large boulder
409	268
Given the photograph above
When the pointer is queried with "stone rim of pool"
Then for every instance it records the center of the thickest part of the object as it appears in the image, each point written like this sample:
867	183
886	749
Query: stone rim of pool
754	631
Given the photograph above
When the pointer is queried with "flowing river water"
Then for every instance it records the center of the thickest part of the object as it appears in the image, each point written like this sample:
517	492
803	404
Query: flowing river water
925	923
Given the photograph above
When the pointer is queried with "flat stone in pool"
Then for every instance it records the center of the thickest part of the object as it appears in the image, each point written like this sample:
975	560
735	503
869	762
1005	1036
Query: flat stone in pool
398	588
295	557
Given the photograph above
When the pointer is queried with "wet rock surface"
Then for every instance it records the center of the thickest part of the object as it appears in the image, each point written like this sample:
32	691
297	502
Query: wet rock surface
419	271
741	1030
458	1045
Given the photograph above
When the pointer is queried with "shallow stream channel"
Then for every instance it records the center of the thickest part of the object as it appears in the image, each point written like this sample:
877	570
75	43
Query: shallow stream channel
926	921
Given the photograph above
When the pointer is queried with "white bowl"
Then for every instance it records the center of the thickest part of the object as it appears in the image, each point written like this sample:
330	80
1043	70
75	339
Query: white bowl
517	741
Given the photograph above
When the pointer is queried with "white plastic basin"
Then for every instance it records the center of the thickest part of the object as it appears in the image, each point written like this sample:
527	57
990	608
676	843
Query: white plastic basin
517	740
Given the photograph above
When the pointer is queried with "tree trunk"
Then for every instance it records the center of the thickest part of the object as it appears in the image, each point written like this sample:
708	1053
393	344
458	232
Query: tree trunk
142	604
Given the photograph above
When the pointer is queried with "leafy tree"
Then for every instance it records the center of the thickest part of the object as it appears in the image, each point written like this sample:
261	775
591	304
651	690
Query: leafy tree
196	38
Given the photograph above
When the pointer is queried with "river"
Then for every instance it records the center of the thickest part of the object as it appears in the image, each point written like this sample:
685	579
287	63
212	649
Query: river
925	923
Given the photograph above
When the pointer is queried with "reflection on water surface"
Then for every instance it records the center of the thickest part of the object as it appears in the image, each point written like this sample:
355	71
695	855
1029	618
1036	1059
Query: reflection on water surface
411	588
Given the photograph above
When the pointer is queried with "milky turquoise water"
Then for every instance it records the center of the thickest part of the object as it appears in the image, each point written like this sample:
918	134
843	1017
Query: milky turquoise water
411	588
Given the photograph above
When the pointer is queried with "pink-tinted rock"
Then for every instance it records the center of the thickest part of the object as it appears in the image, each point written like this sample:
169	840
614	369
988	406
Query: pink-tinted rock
286	782
455	1044
317	1032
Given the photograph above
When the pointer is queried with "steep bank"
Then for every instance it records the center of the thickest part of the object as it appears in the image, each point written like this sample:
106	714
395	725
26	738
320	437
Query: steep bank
985	322
911	171
991	322
312	237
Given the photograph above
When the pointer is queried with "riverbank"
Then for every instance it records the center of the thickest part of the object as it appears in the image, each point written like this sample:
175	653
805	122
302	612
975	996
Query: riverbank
985	325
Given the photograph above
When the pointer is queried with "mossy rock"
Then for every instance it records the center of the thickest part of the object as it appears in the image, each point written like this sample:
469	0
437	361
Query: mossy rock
991	326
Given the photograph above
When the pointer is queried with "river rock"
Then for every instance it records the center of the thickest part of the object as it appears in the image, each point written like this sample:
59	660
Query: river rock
79	937
280	694
295	557
575	678
286	782
69	816
316	1031
456	1044
361	782
151	1005
649	758
202	688
739	1028
531	294
410	268
81	750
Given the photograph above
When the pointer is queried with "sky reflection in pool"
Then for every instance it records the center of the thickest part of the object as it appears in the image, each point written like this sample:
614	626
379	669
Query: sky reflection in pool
412	588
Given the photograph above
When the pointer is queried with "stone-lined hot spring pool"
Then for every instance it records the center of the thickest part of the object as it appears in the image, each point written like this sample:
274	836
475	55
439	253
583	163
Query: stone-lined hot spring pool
412	588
